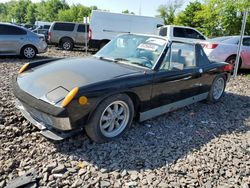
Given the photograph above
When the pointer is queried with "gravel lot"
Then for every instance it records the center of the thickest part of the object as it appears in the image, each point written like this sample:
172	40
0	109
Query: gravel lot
197	146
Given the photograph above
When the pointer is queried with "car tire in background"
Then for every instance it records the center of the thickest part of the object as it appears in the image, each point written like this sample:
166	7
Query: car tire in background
28	52
111	119
232	59
217	89
67	44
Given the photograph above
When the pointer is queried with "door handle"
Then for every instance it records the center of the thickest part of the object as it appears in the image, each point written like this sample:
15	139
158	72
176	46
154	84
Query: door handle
187	78
182	79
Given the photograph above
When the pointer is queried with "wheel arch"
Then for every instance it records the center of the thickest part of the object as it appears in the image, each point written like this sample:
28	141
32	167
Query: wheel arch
133	96
66	37
234	55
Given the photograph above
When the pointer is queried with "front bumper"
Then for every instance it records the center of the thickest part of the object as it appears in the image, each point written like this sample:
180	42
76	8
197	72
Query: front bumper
54	122
45	122
43	47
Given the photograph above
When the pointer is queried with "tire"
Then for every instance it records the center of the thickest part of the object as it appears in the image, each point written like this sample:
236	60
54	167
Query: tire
28	52
232	59
67	44
217	89
102	127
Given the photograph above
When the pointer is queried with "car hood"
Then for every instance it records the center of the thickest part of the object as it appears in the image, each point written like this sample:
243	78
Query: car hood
52	81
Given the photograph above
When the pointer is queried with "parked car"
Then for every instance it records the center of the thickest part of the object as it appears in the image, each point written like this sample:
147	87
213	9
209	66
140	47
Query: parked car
134	77
44	32
104	26
42	25
67	34
175	32
15	40
226	50
219	39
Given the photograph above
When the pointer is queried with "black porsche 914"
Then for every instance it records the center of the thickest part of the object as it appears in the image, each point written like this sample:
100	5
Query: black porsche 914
134	77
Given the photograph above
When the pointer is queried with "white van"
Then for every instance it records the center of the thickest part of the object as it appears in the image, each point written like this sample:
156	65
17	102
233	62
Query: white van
104	26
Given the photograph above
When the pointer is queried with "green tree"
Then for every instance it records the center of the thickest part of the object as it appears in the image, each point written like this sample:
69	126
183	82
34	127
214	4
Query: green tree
167	12
127	12
31	14
18	10
222	17
188	17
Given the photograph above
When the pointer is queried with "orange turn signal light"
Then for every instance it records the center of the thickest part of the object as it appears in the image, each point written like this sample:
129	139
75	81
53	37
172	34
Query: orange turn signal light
70	96
24	67
83	100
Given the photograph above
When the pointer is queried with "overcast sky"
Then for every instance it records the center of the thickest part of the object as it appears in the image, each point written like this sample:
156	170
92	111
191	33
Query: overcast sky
148	7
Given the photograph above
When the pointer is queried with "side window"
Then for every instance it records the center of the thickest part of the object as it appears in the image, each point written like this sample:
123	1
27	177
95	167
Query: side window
11	30
163	31
64	26
179	32
180	56
81	28
246	42
190	33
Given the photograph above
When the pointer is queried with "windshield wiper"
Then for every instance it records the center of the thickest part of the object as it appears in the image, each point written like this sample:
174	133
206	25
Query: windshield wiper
121	59
136	63
107	59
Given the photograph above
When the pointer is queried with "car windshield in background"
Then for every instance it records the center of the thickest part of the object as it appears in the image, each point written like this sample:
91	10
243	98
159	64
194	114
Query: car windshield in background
136	50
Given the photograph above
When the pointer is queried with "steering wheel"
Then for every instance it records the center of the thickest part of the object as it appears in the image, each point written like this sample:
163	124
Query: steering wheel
148	62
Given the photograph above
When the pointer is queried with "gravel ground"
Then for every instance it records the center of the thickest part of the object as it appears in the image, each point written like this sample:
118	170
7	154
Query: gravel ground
197	146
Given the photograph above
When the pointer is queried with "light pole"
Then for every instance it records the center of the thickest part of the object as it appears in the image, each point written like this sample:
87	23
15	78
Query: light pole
243	26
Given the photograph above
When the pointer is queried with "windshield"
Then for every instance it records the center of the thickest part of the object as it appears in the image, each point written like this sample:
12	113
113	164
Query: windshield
136	50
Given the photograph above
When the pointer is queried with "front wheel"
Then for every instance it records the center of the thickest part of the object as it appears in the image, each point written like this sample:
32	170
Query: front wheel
111	119
217	89
28	52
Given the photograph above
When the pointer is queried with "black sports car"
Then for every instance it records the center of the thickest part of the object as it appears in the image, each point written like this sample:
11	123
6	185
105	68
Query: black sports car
134	77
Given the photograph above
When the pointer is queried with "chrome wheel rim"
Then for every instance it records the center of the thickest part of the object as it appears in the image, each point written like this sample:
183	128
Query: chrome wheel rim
114	119
218	88
66	45
29	52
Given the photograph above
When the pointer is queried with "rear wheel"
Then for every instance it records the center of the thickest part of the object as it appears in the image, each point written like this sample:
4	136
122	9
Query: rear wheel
232	60
111	119
28	52
67	44
217	89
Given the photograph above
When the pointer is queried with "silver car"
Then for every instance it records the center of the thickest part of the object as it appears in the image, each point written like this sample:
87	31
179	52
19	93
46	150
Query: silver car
225	49
67	34
15	40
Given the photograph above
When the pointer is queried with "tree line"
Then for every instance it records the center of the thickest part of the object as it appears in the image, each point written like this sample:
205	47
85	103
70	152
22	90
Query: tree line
211	17
25	11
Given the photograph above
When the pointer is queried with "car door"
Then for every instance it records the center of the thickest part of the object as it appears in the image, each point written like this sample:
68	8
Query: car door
11	39
178	77
81	35
246	52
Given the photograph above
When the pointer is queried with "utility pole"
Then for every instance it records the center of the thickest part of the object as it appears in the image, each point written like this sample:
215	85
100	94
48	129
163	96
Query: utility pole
243	26
140	8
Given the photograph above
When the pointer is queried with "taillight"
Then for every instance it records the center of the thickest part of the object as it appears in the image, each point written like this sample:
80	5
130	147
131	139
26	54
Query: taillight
90	34
210	46
228	68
